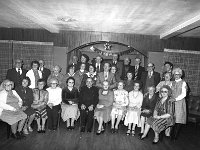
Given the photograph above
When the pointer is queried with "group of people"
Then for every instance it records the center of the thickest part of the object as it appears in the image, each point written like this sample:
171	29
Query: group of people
105	91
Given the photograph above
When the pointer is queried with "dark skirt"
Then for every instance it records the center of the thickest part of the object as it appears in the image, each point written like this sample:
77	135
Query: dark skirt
29	111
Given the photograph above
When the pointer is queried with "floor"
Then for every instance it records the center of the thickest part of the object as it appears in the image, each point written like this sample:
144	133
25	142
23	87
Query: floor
74	140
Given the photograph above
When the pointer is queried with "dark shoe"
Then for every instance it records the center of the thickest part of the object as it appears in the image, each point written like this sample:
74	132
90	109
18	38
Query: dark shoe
40	131
112	130
69	127
43	131
20	135
140	134
72	127
98	132
89	130
128	132
82	129
102	130
116	130
142	137
14	136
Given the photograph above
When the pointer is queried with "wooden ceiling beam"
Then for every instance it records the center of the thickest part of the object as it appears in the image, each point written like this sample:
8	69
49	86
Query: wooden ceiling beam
182	28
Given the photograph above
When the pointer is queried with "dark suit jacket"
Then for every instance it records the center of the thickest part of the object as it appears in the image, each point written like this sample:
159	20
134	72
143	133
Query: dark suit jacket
144	78
140	70
124	71
111	79
45	74
97	69
13	76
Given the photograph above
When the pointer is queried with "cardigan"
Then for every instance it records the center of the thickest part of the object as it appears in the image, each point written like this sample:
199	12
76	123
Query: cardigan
3	99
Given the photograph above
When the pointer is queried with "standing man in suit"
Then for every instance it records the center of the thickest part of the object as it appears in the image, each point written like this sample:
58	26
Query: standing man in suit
16	74
98	64
149	78
74	63
106	75
137	69
115	62
45	72
126	67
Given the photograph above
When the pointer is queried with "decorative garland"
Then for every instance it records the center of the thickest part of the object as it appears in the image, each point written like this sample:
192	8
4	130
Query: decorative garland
109	53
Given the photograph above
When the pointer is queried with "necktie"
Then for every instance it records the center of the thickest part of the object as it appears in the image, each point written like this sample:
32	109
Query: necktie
18	72
136	72
149	74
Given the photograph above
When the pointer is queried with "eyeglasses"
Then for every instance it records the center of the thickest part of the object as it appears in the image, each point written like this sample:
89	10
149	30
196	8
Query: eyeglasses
164	91
8	84
70	82
54	83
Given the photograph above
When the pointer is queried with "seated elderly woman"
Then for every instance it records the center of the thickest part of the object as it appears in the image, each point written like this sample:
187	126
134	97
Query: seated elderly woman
148	106
39	104
26	95
56	73
163	116
119	106
69	106
10	109
104	106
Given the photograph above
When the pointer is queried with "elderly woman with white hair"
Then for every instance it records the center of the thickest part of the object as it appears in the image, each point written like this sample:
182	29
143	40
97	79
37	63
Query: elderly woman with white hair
10	109
179	91
54	101
56	73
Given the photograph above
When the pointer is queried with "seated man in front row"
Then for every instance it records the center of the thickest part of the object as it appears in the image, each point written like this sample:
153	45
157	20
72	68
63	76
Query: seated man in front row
88	100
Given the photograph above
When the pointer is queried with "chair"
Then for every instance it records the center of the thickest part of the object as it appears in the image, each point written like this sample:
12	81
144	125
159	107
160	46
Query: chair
194	110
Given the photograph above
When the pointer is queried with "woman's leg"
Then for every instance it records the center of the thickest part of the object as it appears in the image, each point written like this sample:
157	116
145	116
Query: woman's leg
142	124
21	125
156	138
118	121
31	118
43	123
113	121
72	122
146	130
129	129
38	124
14	128
68	123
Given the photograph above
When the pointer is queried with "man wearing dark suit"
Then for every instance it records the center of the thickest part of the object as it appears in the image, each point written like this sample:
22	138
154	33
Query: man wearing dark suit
115	62
106	75
98	64
16	74
137	69
149	78
88	99
126	67
45	72
74	63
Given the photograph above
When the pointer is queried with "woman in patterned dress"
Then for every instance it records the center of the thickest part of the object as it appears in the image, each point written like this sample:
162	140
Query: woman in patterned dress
11	109
134	109
163	116
119	106
104	106
179	91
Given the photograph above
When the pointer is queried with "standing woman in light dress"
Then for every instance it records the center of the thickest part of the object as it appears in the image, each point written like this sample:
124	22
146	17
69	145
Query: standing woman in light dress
134	109
179	92
104	106
119	106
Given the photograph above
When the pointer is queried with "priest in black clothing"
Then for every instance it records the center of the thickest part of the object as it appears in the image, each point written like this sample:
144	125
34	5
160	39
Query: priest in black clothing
88	99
